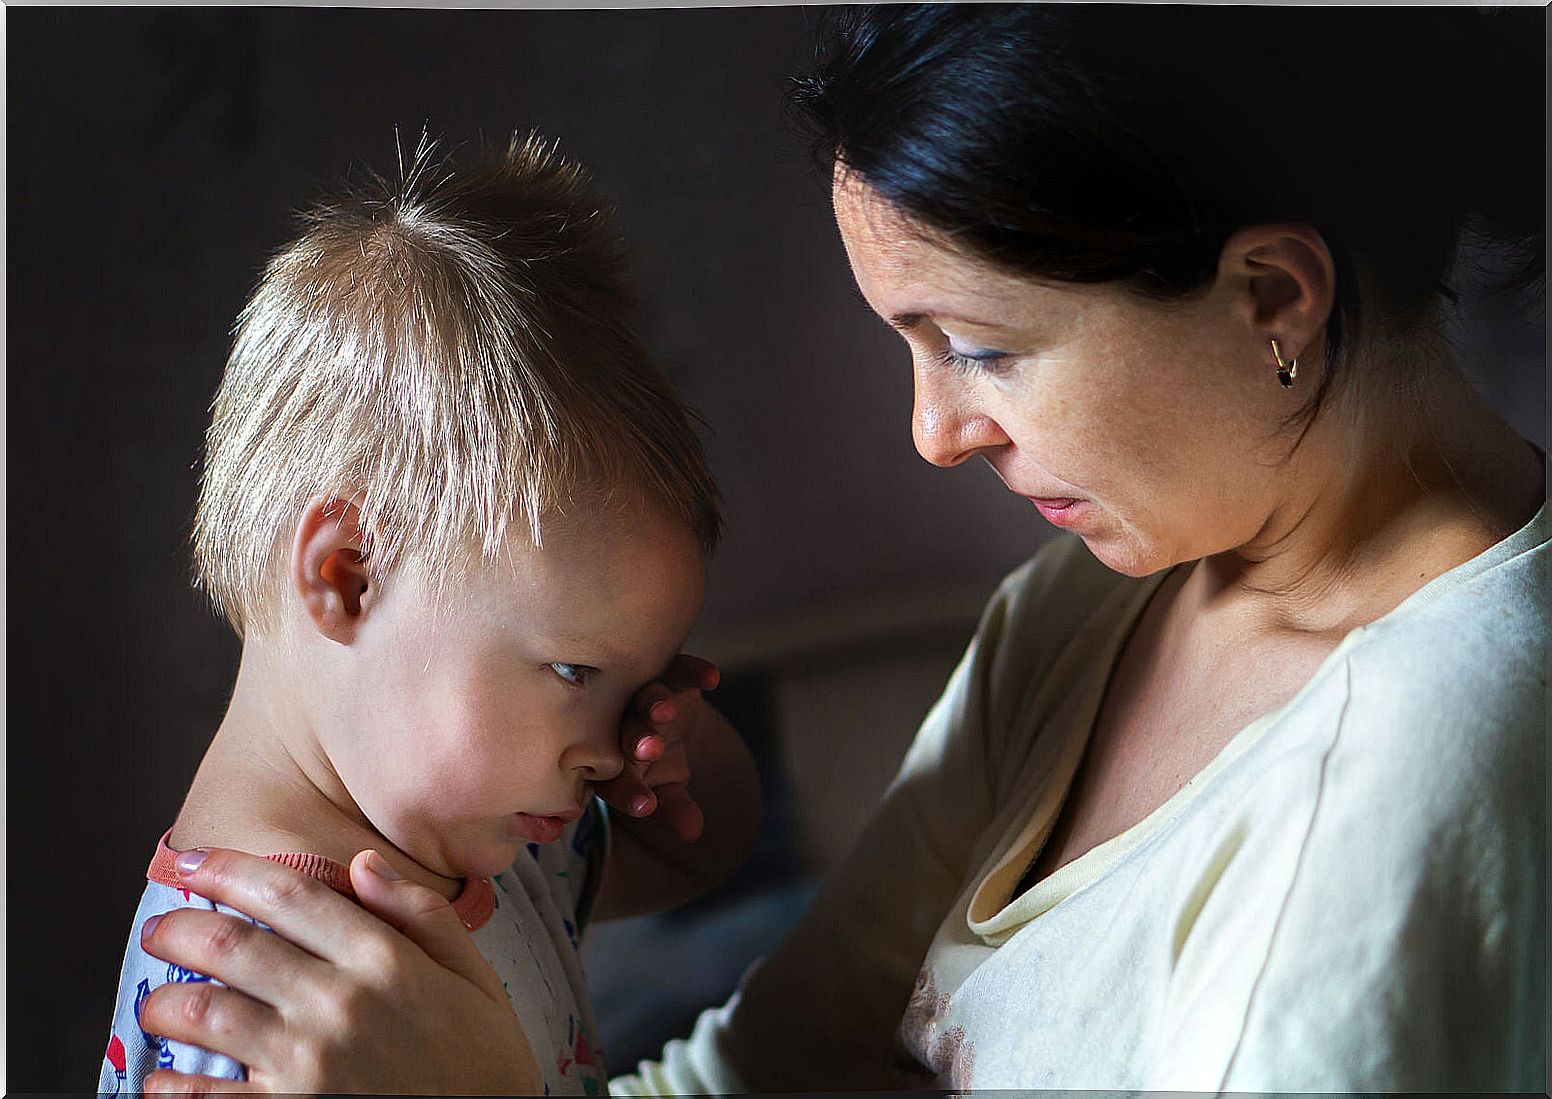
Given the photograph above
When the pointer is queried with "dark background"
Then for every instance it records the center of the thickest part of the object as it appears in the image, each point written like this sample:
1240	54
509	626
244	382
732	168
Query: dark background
153	159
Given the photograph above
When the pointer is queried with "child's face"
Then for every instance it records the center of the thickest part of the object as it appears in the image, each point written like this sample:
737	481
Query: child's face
475	727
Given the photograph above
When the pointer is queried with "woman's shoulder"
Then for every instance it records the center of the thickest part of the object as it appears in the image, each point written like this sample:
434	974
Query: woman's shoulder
1473	640
1444	712
1407	801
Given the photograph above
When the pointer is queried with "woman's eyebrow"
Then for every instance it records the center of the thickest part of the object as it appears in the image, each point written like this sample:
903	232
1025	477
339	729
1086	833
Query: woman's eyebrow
907	321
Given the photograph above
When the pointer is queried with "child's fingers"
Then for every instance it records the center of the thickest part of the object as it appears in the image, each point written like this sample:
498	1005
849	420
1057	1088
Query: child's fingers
688	671
679	811
424	917
662	711
649	748
648	697
628	794
166	1082
665	711
661	702
673	766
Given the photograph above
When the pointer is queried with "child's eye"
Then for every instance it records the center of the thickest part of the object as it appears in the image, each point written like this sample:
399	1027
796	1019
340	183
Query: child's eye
575	674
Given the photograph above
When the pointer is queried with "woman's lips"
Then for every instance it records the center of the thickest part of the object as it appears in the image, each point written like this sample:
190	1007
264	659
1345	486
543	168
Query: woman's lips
1060	511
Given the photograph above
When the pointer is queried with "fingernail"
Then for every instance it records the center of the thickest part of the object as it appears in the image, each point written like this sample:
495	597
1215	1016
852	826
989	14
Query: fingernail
382	868
642	805
662	711
644	745
189	861
150	926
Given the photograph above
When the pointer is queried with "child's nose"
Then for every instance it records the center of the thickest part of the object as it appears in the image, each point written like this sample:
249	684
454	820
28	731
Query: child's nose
597	757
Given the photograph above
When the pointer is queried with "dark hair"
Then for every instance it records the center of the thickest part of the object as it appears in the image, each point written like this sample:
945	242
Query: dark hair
1097	143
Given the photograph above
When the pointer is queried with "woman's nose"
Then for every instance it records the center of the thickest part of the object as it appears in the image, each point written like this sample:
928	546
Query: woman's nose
597	757
947	426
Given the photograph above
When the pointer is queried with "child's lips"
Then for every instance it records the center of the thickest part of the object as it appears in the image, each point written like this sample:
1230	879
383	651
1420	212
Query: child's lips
545	828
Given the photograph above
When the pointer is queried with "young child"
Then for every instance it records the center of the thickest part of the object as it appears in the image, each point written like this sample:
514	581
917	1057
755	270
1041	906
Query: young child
459	522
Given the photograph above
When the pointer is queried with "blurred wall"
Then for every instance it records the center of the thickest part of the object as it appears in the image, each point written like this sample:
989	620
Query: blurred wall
153	159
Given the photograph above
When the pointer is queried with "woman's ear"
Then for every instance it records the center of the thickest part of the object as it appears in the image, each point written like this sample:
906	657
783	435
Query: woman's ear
328	568
1285	283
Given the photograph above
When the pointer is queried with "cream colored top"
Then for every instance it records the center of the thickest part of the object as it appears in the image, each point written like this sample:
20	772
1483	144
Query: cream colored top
1349	897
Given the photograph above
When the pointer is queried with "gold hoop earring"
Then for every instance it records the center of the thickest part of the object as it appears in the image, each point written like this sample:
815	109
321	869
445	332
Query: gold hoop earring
1286	371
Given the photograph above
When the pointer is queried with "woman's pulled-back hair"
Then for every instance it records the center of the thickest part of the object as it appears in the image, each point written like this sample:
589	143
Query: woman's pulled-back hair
452	352
1097	143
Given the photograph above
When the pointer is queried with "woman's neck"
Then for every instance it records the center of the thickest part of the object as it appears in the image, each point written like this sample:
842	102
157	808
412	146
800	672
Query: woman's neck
1378	503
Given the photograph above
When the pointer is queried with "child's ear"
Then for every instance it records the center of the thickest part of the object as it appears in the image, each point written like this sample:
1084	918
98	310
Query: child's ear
328	567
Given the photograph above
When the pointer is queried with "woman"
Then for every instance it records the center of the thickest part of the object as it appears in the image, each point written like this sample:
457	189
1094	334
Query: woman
1241	787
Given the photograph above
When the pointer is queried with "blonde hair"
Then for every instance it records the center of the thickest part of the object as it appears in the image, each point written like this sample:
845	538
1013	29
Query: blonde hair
448	353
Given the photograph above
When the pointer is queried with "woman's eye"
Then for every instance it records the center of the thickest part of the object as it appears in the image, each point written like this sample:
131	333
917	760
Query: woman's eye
575	674
992	362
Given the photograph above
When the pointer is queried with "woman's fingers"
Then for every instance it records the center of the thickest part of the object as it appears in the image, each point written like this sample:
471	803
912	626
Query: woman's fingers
301	909
164	1082
424	917
204	1014
369	1006
229	948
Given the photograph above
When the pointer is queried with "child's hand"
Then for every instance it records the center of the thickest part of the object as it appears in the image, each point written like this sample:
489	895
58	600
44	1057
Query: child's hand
659	723
709	820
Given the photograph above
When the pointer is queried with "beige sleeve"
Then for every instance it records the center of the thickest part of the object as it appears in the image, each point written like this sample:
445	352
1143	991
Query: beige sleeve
823	1008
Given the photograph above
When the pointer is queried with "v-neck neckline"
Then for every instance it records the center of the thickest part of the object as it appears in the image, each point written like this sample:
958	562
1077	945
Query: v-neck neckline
996	911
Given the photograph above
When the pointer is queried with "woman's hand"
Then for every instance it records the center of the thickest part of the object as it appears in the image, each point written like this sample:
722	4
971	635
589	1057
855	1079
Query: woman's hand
355	1005
662	717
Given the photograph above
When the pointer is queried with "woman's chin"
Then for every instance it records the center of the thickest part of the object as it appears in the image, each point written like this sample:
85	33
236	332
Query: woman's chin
1125	556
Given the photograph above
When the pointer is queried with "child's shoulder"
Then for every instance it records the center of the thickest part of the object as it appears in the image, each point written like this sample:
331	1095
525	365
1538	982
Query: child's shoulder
212	817
262	826
133	1053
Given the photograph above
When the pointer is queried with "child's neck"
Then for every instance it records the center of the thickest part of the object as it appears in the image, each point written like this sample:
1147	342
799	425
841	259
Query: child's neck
265	787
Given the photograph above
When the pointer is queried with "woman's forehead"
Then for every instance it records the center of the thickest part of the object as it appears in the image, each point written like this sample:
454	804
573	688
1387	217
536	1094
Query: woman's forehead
863	213
906	269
